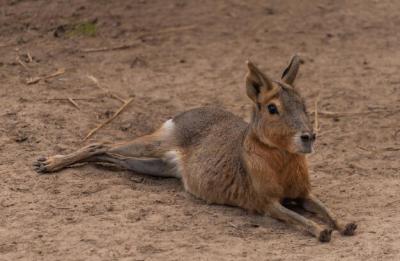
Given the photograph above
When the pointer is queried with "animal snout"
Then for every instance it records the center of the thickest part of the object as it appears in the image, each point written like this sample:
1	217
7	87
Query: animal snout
308	137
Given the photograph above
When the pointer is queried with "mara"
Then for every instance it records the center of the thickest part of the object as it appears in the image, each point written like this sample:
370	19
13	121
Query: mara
258	166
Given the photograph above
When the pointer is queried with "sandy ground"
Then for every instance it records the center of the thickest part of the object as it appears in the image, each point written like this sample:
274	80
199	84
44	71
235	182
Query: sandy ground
184	54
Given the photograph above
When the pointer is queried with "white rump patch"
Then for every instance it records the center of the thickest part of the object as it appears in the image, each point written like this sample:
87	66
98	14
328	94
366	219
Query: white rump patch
174	157
167	128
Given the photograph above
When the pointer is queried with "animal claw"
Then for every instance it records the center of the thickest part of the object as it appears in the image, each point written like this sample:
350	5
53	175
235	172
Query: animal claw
349	229
325	235
40	166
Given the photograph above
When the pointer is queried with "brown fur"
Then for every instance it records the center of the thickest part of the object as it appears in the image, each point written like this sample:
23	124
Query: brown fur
236	173
224	160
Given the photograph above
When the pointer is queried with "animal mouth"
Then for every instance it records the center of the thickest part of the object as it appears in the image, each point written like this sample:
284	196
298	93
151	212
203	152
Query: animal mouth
303	145
306	149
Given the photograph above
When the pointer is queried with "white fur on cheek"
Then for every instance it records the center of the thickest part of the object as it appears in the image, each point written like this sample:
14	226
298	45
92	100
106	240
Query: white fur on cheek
297	141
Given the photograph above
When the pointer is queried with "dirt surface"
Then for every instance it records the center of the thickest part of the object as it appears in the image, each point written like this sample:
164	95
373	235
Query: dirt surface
185	54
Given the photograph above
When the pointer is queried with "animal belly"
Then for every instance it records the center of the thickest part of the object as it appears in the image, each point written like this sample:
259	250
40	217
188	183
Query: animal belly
214	187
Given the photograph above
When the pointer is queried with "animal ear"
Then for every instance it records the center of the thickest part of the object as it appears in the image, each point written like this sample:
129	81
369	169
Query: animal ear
290	73
257	83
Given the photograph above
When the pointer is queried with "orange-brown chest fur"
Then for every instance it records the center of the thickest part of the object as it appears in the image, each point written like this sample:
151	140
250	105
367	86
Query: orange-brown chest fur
275	174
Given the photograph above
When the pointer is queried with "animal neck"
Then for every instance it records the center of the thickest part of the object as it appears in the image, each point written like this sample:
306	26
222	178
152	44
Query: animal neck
273	171
255	149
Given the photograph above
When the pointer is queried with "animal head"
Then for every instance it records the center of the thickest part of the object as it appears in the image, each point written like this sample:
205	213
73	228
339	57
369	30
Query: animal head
280	119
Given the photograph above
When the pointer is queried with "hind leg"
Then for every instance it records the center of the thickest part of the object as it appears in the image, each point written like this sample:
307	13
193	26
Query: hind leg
149	146
58	162
95	153
149	166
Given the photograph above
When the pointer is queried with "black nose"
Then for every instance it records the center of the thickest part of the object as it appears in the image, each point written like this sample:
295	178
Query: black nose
307	137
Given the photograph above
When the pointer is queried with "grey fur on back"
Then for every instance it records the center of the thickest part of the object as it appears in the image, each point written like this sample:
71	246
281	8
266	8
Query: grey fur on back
197	124
211	140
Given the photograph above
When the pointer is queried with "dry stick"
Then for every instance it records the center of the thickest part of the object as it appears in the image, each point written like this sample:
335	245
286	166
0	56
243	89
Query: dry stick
58	207
96	81
109	120
57	73
73	103
362	148
21	63
29	57
130	45
316	125
344	114
37	79
105	49
62	99
391	149
233	225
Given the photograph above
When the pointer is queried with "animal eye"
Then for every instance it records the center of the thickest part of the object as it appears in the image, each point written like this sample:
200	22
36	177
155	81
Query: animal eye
272	109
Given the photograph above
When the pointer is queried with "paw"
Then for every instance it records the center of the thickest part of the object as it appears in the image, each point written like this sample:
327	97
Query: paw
325	235
349	229
46	164
41	164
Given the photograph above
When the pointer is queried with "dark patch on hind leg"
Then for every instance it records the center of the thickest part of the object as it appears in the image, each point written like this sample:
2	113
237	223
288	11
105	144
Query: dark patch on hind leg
325	235
149	166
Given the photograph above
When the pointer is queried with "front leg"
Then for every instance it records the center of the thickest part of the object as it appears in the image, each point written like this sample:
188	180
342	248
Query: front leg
314	205
276	210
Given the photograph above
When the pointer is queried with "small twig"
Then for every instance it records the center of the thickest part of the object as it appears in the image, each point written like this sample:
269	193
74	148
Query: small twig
37	79
106	49
138	39
331	113
57	73
30	59
349	114
69	99
21	63
362	148
171	30
393	202
233	225
73	103
75	99
96	81
33	80
391	149
316	125
109	120
58	207
5	205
